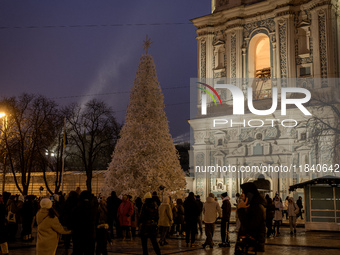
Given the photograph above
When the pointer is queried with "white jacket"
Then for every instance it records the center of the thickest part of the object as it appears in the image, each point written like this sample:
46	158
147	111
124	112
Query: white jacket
278	213
210	210
292	207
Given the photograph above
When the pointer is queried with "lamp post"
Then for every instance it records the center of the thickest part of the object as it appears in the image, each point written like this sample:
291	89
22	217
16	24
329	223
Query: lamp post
4	126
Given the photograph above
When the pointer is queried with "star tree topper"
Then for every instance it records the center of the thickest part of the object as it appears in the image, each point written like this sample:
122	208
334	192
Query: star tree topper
147	44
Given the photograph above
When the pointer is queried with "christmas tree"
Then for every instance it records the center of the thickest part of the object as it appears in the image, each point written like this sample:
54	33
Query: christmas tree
145	157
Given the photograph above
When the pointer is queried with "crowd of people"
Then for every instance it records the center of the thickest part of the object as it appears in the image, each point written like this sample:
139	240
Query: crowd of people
90	223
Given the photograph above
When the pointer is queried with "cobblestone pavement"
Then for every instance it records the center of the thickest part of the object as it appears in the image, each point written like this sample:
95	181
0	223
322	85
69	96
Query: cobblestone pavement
302	243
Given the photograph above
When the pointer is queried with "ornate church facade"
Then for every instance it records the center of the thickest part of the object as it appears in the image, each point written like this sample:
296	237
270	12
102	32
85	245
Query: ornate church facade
262	44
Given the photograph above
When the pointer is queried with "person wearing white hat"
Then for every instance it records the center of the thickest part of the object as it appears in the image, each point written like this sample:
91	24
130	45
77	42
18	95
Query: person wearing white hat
48	229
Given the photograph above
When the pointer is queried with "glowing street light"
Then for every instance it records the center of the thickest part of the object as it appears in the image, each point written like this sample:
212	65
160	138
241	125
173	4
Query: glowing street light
2	115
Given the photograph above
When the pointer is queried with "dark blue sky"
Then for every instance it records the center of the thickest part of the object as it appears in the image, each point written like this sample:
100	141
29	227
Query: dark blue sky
66	49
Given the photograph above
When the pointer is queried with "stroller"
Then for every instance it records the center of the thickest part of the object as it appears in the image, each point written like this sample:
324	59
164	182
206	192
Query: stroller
246	245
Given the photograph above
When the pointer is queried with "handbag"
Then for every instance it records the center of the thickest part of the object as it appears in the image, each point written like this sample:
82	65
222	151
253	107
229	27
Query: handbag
297	210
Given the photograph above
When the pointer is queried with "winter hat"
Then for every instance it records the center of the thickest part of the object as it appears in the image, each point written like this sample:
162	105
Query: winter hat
46	203
21	198
225	194
147	195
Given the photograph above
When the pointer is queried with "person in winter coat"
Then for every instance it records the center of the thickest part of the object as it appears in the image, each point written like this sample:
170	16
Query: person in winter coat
27	219
179	220
66	214
48	229
102	233
148	224
210	210
124	214
270	208
299	204
134	219
156	198
191	214
277	215
139	204
3	228
83	224
12	224
113	203
293	210
19	215
200	205
174	216
226	212
251	212
285	207
165	219
238	223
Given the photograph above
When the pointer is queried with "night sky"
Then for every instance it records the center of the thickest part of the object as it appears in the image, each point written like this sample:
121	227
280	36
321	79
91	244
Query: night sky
74	51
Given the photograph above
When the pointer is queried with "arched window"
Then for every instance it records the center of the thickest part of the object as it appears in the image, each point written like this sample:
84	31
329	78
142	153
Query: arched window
259	66
262	54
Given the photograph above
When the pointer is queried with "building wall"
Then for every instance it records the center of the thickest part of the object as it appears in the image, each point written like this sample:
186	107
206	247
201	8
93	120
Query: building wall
303	39
72	180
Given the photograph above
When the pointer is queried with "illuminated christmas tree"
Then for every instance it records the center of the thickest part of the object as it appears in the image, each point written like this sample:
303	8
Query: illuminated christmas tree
145	157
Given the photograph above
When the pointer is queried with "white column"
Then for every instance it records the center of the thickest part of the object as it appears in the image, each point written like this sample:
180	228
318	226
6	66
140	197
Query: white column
209	56
239	43
277	53
198	56
291	62
332	49
316	44
274	60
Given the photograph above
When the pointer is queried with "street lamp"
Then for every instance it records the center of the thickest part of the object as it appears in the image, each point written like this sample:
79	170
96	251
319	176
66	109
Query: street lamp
4	126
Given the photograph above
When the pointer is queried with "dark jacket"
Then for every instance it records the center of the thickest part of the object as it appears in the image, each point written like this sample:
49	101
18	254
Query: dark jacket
3	228
299	203
270	209
102	214
200	205
253	218
156	199
149	218
191	210
83	222
226	209
179	214
113	203
27	212
70	204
